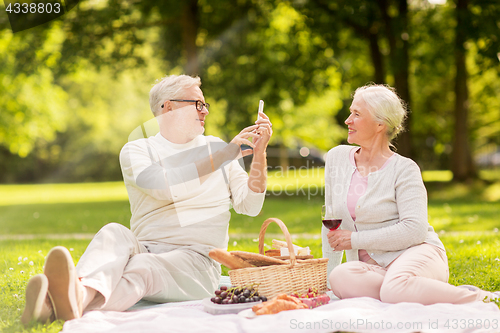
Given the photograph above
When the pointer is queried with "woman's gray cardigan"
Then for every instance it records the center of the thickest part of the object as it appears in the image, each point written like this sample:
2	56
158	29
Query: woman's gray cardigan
390	217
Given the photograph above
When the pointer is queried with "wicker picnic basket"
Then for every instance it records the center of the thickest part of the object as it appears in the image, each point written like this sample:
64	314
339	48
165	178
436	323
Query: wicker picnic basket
297	276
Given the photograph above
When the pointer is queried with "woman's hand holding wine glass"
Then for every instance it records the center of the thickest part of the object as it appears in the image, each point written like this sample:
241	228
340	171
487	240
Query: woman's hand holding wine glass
329	220
338	239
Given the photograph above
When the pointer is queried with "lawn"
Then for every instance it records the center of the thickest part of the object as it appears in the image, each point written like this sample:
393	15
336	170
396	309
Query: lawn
34	218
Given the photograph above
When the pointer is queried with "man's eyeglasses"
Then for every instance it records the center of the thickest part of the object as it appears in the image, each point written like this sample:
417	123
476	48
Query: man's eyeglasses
199	104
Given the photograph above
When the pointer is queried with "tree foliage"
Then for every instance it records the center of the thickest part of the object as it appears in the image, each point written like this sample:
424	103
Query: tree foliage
73	89
32	106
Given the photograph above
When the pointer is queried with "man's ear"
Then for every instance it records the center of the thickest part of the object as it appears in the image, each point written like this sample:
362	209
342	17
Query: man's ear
166	106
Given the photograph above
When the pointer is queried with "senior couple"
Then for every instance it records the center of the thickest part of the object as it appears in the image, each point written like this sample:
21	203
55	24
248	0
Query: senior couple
181	185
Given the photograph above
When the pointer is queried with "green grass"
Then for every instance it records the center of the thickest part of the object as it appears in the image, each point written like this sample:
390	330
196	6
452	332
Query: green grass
474	258
465	216
20	261
452	207
61	193
62	218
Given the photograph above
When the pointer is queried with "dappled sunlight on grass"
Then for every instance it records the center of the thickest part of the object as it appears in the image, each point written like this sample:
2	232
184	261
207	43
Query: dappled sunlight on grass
473	216
437	176
62	218
492	192
60	193
295	179
474	258
300	215
296	198
492	175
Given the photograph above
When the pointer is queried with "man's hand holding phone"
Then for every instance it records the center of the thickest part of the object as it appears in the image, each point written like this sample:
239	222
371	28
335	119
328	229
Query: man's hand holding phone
263	131
260	133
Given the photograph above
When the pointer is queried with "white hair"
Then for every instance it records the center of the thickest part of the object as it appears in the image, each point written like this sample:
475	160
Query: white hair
385	106
170	87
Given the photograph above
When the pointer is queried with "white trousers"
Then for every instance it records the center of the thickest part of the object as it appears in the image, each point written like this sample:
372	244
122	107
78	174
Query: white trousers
419	275
124	270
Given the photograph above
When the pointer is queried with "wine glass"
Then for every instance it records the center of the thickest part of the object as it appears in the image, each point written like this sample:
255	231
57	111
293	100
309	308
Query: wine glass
330	221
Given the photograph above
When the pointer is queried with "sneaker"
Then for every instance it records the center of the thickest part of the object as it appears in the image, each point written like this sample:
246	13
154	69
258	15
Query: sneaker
38	305
65	289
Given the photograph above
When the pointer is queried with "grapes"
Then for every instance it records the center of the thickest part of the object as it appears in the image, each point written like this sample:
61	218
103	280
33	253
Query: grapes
235	295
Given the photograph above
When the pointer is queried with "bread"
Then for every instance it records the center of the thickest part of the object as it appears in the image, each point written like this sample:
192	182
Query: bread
277	244
273	253
257	259
280	303
224	257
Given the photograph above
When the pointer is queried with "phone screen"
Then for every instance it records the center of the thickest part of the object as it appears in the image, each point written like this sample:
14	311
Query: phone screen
261	108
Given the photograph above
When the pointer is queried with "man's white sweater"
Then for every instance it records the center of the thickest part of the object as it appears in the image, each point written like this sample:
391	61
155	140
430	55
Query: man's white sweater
171	204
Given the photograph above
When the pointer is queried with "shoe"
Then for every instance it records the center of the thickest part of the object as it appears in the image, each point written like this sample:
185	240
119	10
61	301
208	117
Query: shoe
38	305
65	290
470	287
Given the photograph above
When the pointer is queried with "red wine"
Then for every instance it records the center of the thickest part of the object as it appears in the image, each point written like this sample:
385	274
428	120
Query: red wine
332	224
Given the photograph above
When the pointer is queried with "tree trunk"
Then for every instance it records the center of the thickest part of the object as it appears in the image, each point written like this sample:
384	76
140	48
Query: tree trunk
397	35
462	165
190	25
401	78
377	59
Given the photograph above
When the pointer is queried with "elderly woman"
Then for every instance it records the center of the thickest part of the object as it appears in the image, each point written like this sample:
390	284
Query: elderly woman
393	254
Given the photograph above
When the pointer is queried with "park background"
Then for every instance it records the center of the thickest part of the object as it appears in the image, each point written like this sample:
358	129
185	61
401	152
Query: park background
74	89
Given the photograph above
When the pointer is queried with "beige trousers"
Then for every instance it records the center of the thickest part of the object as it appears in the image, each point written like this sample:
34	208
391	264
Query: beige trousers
419	275
124	271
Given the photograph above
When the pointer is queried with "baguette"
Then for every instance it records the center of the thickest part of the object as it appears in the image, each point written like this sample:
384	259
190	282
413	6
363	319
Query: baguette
273	253
257	259
228	260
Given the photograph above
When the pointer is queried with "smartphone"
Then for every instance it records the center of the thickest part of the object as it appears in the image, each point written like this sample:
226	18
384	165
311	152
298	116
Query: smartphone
261	108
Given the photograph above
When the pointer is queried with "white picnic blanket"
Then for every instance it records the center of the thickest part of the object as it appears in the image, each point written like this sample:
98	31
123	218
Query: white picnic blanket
351	315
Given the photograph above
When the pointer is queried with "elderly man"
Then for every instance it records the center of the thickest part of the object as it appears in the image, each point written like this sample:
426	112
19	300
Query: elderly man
181	185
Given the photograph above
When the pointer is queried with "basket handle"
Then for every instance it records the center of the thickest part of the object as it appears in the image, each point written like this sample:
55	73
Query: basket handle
288	239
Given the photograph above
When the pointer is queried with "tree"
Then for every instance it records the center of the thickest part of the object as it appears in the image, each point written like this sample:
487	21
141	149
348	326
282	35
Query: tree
31	105
462	165
254	51
477	22
377	22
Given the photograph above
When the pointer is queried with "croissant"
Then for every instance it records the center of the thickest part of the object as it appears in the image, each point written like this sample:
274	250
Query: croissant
280	303
290	299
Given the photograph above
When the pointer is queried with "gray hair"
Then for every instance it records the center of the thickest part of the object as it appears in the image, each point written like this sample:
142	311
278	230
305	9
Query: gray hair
170	87
385	106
